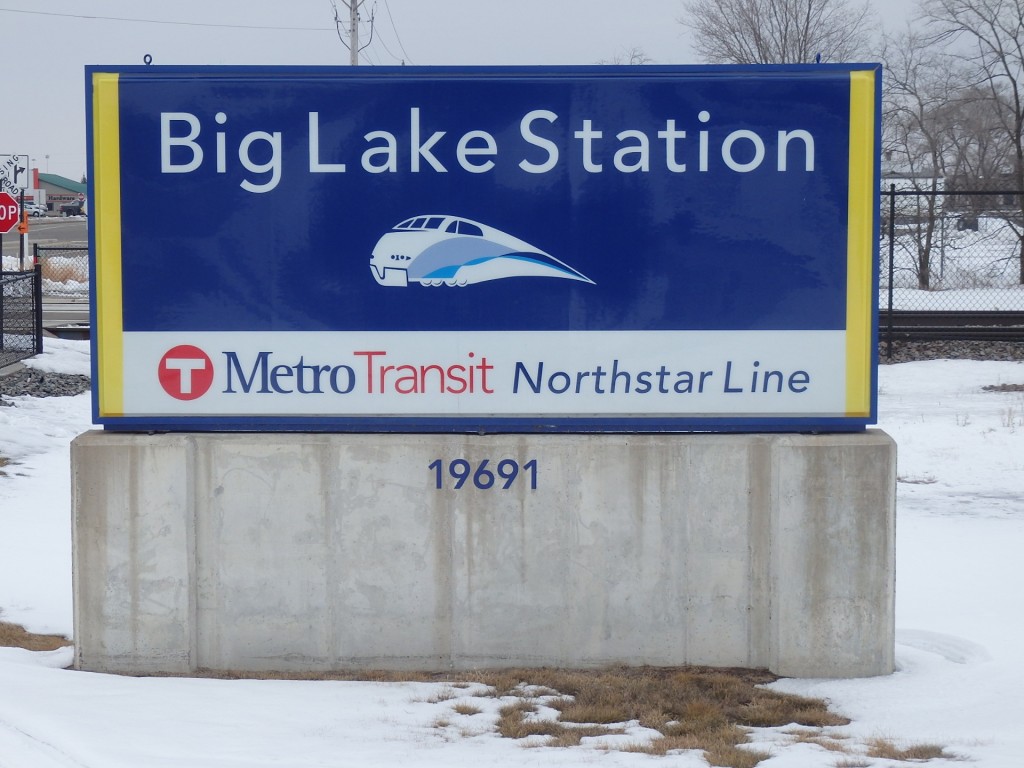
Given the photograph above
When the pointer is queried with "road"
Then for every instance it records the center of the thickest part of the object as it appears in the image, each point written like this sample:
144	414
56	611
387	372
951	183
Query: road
48	230
54	231
64	317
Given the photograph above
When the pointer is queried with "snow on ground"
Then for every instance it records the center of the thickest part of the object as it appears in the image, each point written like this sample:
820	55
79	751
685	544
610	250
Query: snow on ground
960	620
954	300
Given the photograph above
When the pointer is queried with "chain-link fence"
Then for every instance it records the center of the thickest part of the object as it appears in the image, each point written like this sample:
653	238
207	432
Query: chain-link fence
65	269
951	251
21	317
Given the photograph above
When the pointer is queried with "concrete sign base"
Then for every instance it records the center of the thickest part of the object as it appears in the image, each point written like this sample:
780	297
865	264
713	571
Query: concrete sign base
307	552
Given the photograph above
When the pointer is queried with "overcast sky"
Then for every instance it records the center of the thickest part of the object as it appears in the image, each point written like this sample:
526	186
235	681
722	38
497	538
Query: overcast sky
46	45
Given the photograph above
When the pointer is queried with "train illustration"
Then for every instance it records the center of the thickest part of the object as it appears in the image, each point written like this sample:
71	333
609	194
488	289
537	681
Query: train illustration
455	251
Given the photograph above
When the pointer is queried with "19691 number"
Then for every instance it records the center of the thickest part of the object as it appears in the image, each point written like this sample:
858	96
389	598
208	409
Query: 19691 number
503	475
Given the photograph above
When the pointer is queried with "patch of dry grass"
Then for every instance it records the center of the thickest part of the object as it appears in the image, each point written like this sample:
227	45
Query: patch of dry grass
693	708
828	741
572	736
734	757
887	749
514	724
767	709
502	682
709	739
447	693
466	709
15	636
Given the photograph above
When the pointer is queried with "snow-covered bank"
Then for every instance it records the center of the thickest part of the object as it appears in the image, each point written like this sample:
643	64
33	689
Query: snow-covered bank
960	619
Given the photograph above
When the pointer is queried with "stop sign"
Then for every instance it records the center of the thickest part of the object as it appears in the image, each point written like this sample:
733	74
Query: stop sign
8	212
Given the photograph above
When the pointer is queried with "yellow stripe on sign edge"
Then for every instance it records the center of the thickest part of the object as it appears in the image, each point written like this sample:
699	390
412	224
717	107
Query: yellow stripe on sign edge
106	215
860	244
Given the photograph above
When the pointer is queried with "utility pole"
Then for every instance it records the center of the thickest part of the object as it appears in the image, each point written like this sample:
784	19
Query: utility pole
353	31
353	28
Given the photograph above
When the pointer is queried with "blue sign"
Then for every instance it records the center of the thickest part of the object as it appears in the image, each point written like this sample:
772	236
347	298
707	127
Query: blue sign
496	249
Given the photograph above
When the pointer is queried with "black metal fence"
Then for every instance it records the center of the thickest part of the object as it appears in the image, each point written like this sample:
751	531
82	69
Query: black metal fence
65	269
951	251
21	315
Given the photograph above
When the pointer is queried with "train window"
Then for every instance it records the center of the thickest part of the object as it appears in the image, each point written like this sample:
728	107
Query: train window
468	228
404	225
434	222
418	223
453	227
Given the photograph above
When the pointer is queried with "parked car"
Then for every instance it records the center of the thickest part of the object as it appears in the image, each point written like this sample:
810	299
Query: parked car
72	209
36	210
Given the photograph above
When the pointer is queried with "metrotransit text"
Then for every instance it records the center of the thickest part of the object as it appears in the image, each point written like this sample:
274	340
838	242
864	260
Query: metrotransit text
376	373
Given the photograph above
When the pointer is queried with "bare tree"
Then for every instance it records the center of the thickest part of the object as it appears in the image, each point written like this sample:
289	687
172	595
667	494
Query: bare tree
632	55
992	32
981	151
942	135
778	31
919	91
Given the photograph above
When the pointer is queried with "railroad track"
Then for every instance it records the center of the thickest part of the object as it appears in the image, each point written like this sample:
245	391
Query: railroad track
902	325
952	326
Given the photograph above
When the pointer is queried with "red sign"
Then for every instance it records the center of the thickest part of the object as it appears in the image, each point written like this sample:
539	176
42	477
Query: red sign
8	212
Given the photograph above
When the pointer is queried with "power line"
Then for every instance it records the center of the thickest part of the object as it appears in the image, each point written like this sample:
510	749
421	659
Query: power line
399	39
173	23
134	20
386	48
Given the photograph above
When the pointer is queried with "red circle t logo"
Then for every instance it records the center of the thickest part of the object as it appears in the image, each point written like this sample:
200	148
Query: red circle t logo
186	372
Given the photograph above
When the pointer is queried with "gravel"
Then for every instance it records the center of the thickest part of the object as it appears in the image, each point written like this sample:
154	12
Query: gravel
909	351
28	381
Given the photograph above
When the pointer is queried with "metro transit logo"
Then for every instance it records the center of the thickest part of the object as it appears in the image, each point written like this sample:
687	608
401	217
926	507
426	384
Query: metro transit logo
185	372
